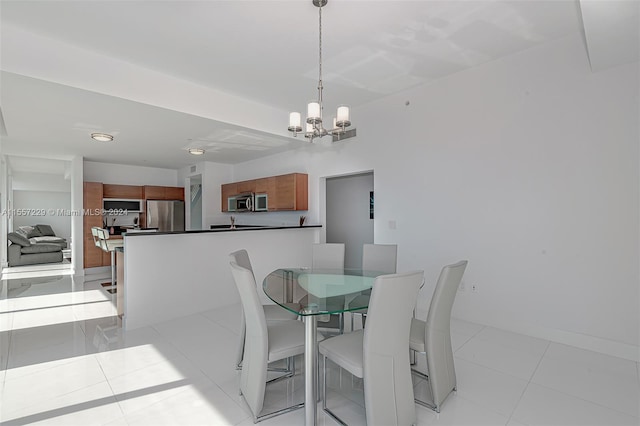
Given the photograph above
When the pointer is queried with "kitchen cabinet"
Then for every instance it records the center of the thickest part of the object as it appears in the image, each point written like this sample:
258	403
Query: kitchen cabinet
122	191
290	193
92	202
227	190
163	193
284	192
265	185
247	186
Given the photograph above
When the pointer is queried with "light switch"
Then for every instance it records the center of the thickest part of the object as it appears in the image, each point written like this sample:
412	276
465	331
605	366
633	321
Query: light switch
392	224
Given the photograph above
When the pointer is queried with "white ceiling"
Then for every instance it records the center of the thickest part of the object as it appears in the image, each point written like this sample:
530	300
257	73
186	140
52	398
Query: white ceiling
263	53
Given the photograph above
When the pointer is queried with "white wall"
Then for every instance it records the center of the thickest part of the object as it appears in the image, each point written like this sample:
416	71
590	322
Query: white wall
347	215
77	222
49	203
121	174
526	166
28	181
213	176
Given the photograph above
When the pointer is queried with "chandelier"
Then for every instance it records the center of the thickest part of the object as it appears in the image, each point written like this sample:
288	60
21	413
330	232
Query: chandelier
314	128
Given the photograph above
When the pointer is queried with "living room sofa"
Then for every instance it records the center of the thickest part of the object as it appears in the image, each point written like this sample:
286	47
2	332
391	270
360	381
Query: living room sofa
35	244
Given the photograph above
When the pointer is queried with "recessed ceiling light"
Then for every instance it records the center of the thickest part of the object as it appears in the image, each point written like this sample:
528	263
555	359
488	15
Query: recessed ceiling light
196	151
102	137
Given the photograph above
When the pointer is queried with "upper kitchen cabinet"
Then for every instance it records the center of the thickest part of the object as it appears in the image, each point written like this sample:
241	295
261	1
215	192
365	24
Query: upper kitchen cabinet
122	191
246	186
290	193
285	192
228	190
163	193
265	185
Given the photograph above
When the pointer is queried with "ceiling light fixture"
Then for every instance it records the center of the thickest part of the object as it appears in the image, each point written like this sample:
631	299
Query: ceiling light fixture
196	151
314	128
102	137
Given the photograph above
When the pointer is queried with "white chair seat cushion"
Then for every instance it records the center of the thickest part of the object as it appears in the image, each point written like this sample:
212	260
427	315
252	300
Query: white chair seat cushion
286	338
416	338
278	313
346	351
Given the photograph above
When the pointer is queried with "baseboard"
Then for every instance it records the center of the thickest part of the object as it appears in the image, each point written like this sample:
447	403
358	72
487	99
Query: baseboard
99	270
596	344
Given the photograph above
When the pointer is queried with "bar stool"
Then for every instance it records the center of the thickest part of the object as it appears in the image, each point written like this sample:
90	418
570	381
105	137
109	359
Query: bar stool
101	240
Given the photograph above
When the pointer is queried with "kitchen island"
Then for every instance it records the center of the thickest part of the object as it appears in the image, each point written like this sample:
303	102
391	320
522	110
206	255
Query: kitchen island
173	274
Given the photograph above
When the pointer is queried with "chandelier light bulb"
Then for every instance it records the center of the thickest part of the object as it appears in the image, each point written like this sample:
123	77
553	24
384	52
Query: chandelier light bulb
294	122
313	111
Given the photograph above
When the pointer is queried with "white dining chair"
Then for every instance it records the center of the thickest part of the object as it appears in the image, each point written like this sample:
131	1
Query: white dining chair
375	257
327	256
271	312
378	354
433	337
265	343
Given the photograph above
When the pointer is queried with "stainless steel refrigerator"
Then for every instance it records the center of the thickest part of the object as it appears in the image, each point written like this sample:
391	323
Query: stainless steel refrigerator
166	215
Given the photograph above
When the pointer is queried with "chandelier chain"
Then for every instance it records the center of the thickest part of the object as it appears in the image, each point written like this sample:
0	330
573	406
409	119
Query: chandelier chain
320	59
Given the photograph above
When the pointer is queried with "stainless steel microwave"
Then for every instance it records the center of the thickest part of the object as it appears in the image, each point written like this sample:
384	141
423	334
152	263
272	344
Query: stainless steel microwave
240	203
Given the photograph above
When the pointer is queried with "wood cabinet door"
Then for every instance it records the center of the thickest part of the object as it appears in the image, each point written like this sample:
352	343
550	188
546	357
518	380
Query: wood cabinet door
92	200
227	190
122	191
302	191
154	192
246	186
285	193
174	193
261	186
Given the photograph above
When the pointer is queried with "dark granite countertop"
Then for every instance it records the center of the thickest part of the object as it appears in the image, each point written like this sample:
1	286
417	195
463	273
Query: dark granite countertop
224	228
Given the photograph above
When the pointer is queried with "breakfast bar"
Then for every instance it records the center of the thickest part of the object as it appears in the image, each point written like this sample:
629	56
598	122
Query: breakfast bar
174	274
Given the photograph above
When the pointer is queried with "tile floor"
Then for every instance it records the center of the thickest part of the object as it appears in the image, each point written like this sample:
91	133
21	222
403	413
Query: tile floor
64	359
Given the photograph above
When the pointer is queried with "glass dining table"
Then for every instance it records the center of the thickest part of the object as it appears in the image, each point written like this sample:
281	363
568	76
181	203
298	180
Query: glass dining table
311	293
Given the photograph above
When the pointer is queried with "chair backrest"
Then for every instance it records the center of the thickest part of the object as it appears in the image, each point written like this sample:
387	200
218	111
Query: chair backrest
388	387
100	237
254	364
442	374
380	257
241	257
327	256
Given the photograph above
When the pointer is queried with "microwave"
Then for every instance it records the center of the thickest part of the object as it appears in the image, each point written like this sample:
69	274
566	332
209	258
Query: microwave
240	203
131	206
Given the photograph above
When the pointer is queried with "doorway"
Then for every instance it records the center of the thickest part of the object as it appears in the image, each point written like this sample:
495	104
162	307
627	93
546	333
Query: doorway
349	214
195	197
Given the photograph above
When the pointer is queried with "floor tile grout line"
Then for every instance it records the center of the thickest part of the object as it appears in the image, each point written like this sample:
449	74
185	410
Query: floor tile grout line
109	384
529	381
586	400
464	344
491	368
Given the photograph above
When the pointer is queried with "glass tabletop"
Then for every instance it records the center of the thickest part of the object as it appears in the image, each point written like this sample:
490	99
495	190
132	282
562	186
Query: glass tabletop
308	291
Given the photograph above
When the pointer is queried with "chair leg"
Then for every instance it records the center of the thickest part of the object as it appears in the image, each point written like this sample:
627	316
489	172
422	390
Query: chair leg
324	395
